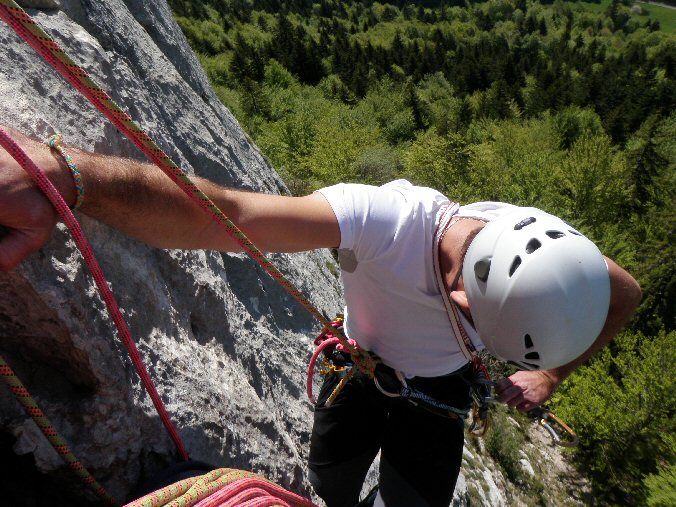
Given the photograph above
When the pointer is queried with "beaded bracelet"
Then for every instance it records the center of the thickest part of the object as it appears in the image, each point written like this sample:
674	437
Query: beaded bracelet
54	142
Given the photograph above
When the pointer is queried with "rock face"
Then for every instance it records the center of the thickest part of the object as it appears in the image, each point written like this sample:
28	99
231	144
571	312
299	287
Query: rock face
226	346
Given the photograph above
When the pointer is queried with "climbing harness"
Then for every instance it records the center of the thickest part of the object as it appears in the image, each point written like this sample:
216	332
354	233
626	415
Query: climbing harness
388	381
561	433
398	388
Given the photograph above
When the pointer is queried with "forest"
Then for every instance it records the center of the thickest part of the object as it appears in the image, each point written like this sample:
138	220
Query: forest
566	106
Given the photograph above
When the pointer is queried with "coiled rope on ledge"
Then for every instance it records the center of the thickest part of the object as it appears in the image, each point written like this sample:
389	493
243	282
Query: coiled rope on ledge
224	487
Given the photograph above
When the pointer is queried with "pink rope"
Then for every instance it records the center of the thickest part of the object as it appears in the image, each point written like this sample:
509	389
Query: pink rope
71	222
252	492
313	361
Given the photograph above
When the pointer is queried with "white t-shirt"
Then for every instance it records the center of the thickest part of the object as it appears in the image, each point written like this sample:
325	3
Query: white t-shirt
393	304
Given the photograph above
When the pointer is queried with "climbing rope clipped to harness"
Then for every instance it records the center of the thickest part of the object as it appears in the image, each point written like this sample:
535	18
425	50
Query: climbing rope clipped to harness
339	359
391	383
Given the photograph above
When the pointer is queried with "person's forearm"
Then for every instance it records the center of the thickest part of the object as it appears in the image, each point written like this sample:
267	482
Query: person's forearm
625	296
138	199
141	201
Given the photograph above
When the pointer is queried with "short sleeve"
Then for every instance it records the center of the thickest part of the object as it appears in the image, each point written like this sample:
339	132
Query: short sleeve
369	217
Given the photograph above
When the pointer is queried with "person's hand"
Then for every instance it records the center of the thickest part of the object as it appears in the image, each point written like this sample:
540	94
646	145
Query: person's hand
526	390
27	219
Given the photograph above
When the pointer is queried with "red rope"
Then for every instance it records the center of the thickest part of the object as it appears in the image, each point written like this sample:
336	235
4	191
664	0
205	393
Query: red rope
71	222
313	362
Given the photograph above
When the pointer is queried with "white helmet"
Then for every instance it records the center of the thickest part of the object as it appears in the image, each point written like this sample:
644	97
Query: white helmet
538	290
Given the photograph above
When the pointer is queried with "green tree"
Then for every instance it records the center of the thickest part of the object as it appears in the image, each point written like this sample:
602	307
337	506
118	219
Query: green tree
621	406
662	487
439	161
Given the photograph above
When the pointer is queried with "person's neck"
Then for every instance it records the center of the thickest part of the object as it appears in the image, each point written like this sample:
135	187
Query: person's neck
452	249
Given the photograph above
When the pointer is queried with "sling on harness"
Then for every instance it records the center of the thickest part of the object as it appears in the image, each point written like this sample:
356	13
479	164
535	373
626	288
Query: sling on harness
389	382
481	387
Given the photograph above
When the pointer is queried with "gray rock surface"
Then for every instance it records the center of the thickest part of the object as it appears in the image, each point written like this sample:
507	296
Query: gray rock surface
226	346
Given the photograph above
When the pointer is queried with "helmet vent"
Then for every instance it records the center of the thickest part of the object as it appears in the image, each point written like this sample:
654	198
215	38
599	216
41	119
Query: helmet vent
515	264
555	234
482	268
531	365
532	355
533	245
574	232
524	223
527	341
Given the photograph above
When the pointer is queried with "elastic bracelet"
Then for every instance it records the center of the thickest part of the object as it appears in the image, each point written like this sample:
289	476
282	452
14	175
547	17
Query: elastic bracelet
54	142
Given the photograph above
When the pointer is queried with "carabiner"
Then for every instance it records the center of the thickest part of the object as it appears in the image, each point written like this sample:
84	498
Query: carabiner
561	433
402	380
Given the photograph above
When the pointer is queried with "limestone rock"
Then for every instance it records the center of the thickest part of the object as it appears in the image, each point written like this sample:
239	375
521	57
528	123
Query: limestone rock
226	346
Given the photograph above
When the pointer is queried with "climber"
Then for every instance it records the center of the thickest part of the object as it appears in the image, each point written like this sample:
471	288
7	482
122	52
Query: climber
426	284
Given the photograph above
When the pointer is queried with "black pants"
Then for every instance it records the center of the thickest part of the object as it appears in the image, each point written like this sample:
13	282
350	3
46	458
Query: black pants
421	452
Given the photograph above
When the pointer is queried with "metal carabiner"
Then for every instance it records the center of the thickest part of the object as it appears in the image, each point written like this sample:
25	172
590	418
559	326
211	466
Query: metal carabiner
561	433
402	380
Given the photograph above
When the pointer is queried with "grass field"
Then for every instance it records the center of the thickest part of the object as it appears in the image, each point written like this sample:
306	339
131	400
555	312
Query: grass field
665	15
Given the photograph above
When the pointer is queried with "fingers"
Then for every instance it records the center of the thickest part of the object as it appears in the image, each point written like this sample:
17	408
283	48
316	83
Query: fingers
526	406
509	393
524	390
16	245
514	397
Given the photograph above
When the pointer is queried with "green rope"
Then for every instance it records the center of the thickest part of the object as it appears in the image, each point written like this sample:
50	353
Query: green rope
58	443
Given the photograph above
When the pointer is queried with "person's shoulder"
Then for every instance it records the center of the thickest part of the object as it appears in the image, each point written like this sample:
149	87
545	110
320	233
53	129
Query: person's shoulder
486	210
415	193
399	190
